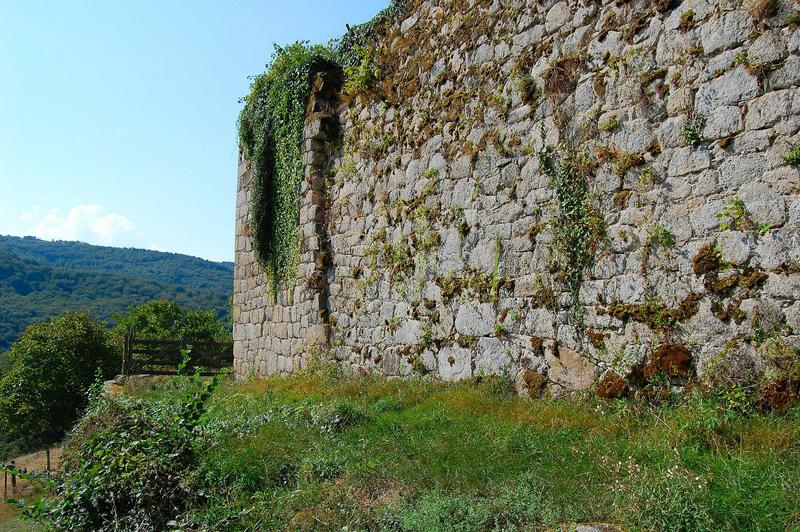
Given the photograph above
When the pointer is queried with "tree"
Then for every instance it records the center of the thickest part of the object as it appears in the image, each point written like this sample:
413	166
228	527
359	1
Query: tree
53	365
166	320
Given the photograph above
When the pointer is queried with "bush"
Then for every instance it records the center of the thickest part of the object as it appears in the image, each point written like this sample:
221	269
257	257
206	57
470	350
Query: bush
122	469
53	366
166	320
127	464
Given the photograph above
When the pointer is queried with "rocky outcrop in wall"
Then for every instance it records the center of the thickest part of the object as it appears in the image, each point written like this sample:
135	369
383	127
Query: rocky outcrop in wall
438	229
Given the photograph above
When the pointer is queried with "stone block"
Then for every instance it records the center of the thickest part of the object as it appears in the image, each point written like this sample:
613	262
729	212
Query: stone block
455	363
475	319
728	89
687	160
569	370
767	110
725	31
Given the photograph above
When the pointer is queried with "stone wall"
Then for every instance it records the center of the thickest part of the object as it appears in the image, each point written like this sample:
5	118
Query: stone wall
431	230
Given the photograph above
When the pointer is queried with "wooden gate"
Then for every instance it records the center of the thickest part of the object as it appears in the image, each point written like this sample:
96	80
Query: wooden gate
162	357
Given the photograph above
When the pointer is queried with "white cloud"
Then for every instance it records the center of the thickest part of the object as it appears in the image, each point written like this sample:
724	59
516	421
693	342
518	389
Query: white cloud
27	216
87	223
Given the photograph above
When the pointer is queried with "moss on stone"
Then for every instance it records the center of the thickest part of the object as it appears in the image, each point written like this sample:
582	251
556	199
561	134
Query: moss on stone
612	386
708	259
653	311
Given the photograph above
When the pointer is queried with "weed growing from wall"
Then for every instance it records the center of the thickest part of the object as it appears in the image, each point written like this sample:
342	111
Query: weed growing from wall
693	130
734	216
657	236
792	156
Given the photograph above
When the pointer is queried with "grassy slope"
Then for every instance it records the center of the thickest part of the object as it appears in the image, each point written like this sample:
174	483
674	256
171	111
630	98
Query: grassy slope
322	452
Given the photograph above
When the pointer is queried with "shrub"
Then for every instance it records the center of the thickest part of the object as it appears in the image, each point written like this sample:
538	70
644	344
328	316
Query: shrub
122	468
126	463
53	366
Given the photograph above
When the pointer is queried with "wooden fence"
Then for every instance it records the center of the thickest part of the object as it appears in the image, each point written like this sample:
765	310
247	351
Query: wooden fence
162	357
11	471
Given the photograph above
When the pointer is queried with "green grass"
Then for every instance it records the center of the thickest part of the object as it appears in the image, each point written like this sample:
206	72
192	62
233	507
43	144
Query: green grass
13	524
319	451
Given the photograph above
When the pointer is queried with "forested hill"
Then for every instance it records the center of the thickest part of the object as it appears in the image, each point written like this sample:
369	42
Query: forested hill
155	266
40	279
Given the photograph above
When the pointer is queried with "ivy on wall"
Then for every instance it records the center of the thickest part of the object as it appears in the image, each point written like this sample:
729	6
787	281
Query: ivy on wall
580	227
347	48
271	135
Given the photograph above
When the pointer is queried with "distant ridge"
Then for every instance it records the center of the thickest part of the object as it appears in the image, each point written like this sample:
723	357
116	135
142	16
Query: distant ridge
41	279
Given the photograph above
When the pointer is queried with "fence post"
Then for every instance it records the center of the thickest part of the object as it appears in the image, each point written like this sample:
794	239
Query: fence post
5	483
47	453
126	352
13	477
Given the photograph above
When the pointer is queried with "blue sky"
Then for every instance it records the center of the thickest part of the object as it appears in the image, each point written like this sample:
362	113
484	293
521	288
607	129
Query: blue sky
118	118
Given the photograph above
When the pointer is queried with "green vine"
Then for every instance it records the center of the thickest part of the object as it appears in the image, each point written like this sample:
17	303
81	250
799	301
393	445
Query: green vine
359	78
271	135
347	48
579	227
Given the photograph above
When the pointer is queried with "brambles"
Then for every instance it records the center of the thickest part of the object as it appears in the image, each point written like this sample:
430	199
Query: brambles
126	464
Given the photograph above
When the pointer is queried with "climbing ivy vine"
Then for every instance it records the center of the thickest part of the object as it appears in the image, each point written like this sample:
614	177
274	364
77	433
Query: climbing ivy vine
579	227
271	135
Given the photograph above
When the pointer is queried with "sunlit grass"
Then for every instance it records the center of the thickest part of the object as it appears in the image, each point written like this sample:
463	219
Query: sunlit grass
320	450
